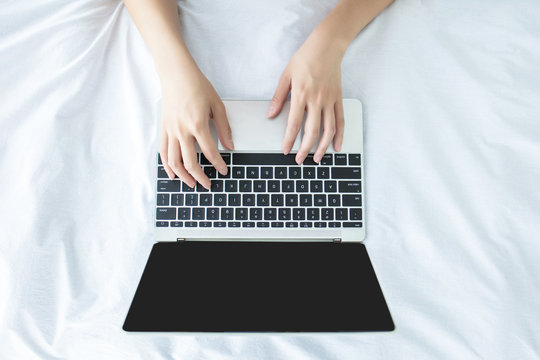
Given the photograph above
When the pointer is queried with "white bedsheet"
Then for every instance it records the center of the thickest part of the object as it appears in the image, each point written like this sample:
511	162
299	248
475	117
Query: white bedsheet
451	91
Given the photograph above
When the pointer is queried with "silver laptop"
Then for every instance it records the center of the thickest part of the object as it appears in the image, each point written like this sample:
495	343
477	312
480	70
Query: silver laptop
270	227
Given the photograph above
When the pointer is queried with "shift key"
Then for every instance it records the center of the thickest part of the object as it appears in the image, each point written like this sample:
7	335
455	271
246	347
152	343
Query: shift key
346	173
168	186
347	186
352	200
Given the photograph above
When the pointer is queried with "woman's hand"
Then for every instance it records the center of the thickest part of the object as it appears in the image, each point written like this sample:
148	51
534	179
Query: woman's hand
189	101
314	78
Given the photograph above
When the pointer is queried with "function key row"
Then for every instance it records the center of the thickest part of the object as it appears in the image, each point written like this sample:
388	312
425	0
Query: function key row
280	159
260	224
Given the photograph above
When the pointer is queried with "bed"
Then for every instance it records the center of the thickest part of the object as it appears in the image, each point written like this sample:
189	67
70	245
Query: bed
451	94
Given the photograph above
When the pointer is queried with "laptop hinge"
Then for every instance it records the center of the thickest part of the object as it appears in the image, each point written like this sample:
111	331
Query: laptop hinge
180	239
337	240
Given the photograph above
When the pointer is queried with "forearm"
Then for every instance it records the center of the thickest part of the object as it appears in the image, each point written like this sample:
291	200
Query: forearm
346	20
158	23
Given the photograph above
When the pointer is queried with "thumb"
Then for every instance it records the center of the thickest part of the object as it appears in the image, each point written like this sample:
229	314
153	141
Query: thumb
222	125
284	85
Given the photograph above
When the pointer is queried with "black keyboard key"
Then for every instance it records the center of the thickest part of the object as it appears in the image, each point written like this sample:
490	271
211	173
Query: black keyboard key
162	223
177	224
210	171
330	186
356	214
327	160
227	213
263	224
313	214
161	174
334	224
259	186
327	214
280	172
340	159
168	186
291	200
216	186
234	200
315	186
309	172
348	186
252	172
177	199
346	173
263	200
166	213
220	199
163	199
192	199
356	224
277	200
238	172
295	172
309	160
287	186
231	185
319	200
186	188
226	157
291	224
273	186
212	213
203	159
227	175
201	188
263	159
184	213
248	224
306	200
255	214
342	214
354	159
245	186
352	200
205	200
299	214
277	224
205	223
197	213
301	186
248	200
305	225
233	224
191	224
319	224
159	159
241	214
220	224
334	200
270	214
323	172
267	173
284	214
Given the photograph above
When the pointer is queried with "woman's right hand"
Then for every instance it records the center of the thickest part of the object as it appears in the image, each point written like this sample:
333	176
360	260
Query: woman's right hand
189	101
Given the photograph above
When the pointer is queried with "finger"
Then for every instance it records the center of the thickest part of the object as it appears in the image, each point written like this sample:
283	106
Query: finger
210	150
189	157
294	123
176	164
282	90
163	153
223	128
329	130
340	125
311	132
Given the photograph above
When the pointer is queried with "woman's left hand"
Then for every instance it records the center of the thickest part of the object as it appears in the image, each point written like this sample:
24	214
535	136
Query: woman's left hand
313	76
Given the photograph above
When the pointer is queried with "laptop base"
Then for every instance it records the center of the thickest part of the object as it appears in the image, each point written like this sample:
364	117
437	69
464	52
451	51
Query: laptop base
204	286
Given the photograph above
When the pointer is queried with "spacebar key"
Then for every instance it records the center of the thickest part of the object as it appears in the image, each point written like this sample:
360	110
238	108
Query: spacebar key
263	159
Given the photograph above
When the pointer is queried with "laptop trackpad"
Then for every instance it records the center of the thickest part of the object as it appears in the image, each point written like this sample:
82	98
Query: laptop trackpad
258	286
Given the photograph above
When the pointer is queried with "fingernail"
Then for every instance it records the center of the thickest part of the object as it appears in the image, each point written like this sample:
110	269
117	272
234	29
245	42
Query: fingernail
223	171
271	110
230	144
299	160
317	159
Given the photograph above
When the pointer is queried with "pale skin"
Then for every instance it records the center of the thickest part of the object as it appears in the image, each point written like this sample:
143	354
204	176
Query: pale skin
312	77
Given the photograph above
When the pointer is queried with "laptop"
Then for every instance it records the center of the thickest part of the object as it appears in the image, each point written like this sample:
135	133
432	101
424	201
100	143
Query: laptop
272	246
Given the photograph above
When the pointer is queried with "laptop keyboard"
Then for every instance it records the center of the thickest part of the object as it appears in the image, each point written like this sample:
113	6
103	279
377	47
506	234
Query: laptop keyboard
266	190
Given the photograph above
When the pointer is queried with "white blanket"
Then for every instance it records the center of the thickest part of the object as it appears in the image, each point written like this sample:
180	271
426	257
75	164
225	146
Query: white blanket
451	93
